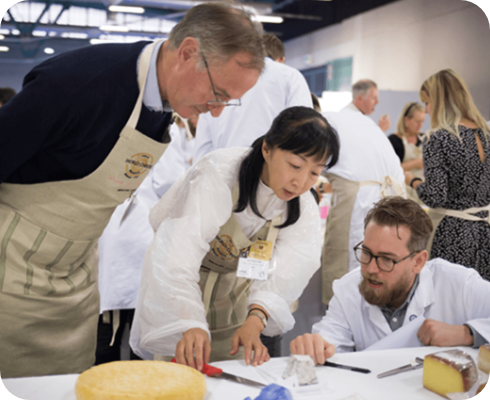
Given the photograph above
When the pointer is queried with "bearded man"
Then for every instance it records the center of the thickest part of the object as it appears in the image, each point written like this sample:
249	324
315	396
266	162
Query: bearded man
395	286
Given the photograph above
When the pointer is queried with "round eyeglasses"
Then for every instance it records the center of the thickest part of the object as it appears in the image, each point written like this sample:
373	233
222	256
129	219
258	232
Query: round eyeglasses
384	263
217	102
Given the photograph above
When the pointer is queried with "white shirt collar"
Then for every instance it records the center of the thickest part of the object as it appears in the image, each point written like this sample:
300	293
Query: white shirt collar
151	96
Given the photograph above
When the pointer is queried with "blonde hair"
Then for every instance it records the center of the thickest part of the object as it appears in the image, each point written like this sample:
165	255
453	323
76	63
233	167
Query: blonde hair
409	110
451	101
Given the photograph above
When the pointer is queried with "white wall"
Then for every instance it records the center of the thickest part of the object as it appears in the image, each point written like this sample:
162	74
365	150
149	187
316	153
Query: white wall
401	44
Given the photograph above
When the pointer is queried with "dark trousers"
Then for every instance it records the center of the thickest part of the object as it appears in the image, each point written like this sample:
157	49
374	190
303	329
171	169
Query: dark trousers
106	353
273	344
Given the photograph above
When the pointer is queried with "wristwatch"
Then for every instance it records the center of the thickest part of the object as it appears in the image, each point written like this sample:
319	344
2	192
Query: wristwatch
260	315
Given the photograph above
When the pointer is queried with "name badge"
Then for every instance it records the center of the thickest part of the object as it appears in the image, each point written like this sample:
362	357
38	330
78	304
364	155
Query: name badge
254	261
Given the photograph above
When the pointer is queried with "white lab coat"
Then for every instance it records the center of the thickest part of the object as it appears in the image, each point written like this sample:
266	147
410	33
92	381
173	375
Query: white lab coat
186	220
365	154
122	246
447	292
279	87
187	145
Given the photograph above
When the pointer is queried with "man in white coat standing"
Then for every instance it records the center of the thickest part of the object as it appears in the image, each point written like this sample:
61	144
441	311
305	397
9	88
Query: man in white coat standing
368	169
396	291
279	87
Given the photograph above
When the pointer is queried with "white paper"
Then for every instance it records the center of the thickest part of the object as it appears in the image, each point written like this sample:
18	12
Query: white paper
404	337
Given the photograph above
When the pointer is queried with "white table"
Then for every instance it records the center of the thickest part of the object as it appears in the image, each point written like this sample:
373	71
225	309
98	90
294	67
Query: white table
334	383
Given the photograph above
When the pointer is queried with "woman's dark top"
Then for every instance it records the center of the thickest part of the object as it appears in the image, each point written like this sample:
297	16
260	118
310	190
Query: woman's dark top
457	179
397	144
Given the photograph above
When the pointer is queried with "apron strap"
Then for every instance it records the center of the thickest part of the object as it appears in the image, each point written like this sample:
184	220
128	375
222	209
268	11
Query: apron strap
437	214
143	66
388	181
273	231
465	214
116	318
115	324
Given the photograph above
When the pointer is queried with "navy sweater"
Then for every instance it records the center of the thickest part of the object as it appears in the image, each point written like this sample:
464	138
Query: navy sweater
70	112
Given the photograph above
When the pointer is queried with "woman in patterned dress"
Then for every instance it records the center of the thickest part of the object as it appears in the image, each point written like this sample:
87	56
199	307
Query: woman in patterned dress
456	157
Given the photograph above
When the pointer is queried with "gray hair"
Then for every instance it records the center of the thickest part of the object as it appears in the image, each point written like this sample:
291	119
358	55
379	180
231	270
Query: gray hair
362	87
222	31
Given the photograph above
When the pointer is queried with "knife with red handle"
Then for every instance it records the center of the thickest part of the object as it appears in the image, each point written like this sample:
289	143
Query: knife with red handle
214	372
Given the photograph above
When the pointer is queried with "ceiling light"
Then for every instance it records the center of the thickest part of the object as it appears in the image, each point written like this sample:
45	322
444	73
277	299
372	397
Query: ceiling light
271	19
39	33
114	28
49	50
4	48
2	37
127	9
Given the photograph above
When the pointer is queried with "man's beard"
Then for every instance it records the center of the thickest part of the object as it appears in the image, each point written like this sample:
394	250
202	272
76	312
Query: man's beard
395	296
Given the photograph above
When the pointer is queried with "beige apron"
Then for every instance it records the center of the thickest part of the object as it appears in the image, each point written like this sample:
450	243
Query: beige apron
49	300
413	152
437	214
225	296
335	253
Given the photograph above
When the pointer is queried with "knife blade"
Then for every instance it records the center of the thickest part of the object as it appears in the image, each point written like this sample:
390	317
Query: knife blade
214	372
404	368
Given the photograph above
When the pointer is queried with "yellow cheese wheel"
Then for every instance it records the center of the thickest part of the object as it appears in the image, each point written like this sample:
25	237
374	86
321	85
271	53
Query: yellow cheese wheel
140	380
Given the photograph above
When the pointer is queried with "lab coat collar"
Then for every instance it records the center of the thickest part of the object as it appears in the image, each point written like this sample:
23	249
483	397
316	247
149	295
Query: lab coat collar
353	107
424	295
422	299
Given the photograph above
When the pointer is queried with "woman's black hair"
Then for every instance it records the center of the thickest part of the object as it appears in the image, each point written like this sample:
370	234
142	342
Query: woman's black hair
300	130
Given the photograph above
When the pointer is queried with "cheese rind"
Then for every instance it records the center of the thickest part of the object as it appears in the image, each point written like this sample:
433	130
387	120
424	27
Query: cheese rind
484	358
140	380
451	371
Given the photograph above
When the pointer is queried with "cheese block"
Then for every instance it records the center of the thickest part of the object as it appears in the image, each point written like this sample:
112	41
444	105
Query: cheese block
450	371
140	380
484	358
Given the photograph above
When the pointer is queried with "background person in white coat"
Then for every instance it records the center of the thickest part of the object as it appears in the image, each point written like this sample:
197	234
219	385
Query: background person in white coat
279	87
368	169
122	247
396	285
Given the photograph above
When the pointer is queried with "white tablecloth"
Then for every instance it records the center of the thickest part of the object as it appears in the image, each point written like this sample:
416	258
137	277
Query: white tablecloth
334	383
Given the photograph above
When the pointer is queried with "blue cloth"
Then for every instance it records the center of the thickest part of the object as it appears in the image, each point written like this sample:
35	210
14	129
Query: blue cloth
68	116
273	392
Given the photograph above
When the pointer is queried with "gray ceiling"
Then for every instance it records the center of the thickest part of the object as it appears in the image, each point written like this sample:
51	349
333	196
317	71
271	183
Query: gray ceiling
30	27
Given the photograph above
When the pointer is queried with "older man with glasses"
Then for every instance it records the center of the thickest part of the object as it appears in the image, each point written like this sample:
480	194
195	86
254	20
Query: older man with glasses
77	141
394	285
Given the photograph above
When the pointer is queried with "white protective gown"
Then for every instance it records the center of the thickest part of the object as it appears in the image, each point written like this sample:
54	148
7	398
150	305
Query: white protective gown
186	220
122	246
365	154
446	292
278	87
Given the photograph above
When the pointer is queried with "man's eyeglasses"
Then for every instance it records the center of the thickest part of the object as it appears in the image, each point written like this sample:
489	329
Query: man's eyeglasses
384	263
217	102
